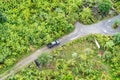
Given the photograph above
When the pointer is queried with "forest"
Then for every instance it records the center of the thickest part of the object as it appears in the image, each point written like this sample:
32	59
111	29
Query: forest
27	25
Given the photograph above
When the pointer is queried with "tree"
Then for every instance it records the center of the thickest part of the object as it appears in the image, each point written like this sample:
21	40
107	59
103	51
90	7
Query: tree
2	18
43	59
116	24
117	6
109	45
86	16
104	7
116	38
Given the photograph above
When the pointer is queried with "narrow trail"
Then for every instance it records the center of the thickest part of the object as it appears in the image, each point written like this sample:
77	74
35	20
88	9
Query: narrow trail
102	27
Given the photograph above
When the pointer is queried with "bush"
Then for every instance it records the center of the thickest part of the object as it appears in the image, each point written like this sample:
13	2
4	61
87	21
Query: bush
107	56
43	59
86	16
2	18
116	38
104	7
109	45
117	6
116	24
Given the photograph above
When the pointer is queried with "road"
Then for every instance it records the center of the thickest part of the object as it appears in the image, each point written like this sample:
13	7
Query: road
102	27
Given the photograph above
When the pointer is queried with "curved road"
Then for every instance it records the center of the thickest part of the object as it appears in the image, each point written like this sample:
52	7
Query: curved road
102	27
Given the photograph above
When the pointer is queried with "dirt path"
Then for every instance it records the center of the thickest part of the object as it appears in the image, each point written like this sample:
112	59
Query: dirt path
102	27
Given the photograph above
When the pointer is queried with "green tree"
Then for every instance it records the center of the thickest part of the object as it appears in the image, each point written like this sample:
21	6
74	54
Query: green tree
86	16
117	6
104	7
116	24
43	59
2	18
116	38
109	45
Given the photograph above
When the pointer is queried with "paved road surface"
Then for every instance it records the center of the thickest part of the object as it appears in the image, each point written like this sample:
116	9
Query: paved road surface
102	27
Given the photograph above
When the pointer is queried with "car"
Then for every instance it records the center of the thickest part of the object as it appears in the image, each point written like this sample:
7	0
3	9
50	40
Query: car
53	43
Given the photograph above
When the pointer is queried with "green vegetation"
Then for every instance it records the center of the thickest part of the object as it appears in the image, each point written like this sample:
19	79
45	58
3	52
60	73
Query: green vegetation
43	59
104	7
2	18
117	5
79	59
116	38
116	24
26	25
86	16
30	25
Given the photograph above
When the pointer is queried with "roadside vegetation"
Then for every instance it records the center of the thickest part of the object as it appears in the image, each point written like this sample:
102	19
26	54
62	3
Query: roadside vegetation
79	59
26	25
116	5
116	24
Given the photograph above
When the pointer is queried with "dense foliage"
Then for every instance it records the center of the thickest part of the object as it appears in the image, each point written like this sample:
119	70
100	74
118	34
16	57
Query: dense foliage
77	60
116	38
26	25
30	24
117	5
2	18
104	7
116	24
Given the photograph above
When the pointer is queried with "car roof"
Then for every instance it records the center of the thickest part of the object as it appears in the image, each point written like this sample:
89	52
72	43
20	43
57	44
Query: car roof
57	41
54	42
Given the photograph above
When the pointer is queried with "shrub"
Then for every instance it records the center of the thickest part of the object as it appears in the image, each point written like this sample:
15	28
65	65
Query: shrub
116	38
109	45
107	56
116	24
104	7
86	16
117	6
43	59
2	18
